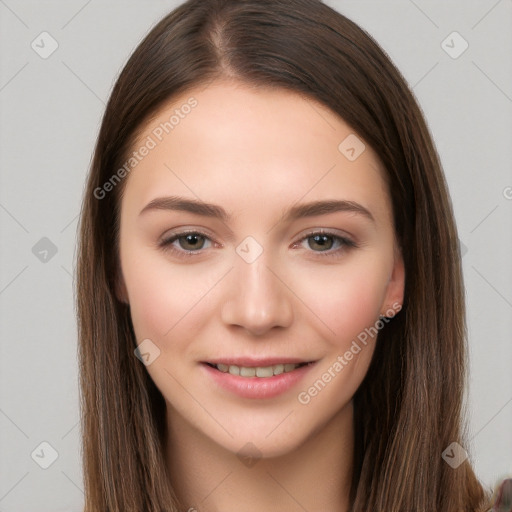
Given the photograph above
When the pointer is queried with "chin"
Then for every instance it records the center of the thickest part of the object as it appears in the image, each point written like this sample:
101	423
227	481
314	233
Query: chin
268	439
264	448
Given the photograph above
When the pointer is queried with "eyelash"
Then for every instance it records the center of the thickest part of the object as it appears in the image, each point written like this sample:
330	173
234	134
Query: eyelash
346	243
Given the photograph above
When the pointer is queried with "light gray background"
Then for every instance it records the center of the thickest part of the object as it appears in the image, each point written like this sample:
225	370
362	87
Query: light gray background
50	114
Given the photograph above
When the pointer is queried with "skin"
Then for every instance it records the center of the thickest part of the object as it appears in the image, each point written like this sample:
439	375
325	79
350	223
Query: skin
257	152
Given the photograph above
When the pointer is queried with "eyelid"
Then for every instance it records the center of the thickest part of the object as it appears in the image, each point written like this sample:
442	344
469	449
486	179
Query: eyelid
206	233
167	240
347	242
327	231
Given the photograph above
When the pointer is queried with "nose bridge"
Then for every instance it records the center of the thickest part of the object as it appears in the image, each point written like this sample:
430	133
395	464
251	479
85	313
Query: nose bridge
257	299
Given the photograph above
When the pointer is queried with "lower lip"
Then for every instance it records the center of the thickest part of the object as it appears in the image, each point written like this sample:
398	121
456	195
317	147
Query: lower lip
257	387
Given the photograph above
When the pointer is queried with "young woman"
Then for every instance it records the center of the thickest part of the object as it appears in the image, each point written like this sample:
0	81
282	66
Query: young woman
269	296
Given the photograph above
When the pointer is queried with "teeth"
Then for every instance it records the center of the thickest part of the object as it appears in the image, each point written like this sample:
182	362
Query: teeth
278	369
267	371
234	370
259	371
247	372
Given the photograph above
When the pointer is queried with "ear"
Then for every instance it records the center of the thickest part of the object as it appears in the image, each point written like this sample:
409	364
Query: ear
394	298
120	288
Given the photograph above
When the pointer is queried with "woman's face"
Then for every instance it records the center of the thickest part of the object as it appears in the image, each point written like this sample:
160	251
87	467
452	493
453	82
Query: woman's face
292	261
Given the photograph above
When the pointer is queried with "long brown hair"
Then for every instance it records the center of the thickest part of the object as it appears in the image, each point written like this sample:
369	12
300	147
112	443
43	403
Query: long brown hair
409	408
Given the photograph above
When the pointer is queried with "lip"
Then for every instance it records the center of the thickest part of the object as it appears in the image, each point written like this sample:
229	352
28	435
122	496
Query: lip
257	387
261	362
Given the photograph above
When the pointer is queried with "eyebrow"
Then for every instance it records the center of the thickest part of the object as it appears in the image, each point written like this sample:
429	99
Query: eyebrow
311	209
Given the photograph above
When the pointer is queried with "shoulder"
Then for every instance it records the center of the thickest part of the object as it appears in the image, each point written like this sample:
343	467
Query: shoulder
502	498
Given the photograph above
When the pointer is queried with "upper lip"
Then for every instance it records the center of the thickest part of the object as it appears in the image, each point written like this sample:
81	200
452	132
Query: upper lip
260	362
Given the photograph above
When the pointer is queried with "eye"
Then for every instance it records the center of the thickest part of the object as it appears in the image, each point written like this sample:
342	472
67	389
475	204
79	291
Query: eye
190	243
325	241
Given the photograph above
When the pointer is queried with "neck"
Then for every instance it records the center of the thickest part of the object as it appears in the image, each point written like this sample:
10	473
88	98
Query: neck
314	476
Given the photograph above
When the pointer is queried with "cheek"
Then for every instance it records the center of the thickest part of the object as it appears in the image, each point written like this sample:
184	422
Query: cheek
162	297
345	302
350	307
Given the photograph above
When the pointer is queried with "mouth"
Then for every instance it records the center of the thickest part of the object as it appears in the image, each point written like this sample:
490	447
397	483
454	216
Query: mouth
256	378
258	371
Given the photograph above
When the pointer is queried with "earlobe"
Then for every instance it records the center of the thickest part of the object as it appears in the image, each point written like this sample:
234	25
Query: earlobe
396	286
120	290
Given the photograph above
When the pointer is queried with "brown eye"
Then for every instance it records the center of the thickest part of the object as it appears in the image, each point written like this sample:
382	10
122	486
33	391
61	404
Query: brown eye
191	242
185	244
324	242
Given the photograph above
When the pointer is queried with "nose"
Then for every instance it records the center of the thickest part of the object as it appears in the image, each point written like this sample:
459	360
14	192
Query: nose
257	298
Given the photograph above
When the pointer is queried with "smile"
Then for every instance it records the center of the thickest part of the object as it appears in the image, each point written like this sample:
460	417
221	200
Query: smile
257	371
265	380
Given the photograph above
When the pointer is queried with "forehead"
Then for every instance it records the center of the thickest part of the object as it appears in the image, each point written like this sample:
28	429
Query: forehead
233	143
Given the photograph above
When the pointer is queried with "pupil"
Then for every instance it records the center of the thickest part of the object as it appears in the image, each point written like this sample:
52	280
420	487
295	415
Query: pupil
321	240
192	240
